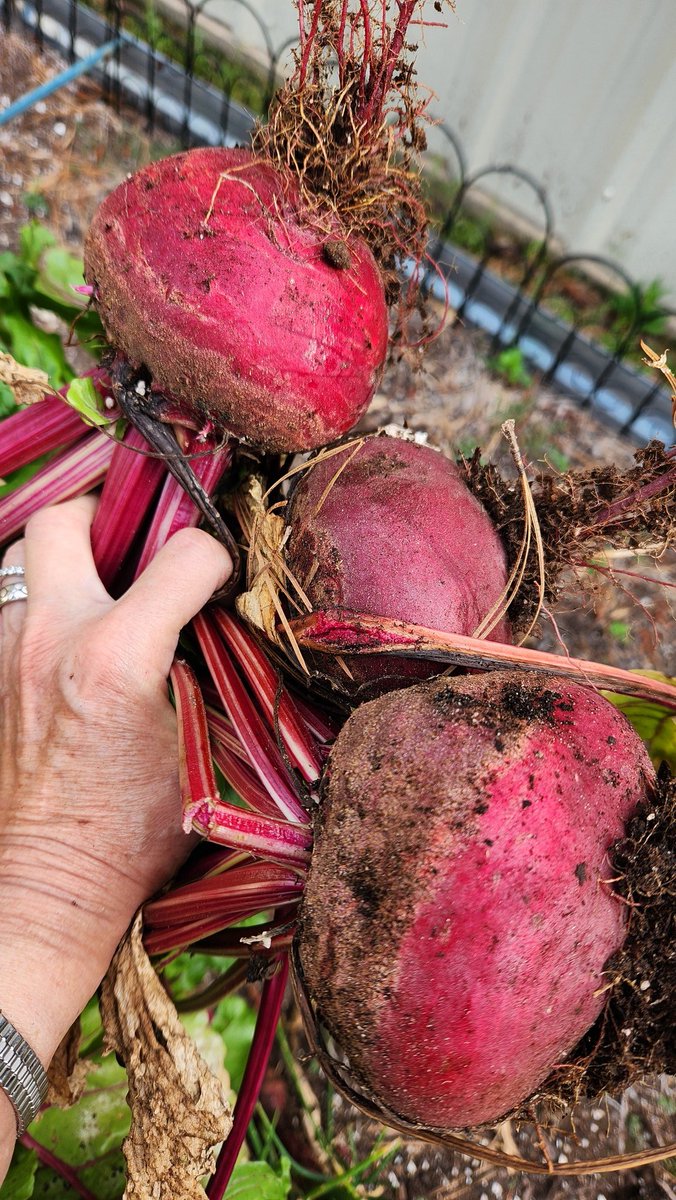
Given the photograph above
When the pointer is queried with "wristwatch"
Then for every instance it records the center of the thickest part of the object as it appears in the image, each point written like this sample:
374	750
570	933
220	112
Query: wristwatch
22	1076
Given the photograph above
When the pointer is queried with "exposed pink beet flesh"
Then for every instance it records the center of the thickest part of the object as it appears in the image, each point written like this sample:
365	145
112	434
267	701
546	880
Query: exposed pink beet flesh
208	270
397	534
459	909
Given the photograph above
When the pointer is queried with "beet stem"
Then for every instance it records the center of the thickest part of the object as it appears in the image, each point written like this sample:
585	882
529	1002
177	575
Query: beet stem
338	631
255	737
50	424
162	439
73	473
266	1024
127	497
264	680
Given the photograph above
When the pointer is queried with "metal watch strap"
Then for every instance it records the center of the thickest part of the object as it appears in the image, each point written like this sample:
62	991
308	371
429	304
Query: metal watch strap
22	1076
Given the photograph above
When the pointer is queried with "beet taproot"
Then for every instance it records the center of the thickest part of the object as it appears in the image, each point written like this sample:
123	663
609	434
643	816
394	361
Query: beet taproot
460	908
255	314
388	527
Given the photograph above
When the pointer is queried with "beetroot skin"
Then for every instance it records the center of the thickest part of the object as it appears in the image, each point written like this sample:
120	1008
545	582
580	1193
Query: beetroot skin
458	913
262	318
352	545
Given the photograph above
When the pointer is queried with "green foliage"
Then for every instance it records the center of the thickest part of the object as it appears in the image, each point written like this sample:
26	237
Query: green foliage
40	275
233	1020
510	364
258	1181
652	722
619	630
644	304
20	1179
209	62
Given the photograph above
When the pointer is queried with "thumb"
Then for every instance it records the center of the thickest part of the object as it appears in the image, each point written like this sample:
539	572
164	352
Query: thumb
167	595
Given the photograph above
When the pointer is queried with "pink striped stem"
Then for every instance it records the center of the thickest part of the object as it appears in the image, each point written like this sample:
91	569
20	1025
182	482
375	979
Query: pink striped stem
221	728
49	424
73	473
196	773
203	809
228	825
129	492
247	722
178	937
253	887
264	682
338	631
208	860
261	1047
324	727
174	509
244	781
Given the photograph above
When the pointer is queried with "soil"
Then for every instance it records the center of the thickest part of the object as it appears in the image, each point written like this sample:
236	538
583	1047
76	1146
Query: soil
57	162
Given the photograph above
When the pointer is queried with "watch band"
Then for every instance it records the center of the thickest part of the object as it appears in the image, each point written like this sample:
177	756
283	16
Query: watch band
22	1076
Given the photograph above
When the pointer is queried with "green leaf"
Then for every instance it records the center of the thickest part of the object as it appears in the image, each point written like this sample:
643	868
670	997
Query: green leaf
7	402
84	398
652	722
21	475
258	1181
58	271
20	1179
91	1133
233	1020
34	348
34	239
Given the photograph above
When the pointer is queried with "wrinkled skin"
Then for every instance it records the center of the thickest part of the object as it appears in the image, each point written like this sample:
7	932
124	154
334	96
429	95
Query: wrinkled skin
458	912
253	313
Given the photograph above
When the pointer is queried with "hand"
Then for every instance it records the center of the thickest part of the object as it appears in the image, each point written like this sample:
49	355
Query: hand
90	821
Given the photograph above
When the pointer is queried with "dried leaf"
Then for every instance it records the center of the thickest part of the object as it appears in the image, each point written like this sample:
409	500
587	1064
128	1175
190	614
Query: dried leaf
179	1108
265	564
27	383
67	1072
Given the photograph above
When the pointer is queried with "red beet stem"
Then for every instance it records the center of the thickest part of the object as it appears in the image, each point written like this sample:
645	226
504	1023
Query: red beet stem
264	681
340	632
128	494
239	775
266	1024
48	425
247	887
174	509
73	473
250	728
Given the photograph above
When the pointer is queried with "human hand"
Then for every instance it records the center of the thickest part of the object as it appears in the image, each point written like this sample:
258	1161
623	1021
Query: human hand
90	820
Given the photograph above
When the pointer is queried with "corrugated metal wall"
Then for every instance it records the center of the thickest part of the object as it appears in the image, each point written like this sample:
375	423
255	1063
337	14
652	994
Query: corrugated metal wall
581	93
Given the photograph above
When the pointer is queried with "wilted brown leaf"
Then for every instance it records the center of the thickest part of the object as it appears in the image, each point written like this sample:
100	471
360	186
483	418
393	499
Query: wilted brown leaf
27	383
67	1072
179	1109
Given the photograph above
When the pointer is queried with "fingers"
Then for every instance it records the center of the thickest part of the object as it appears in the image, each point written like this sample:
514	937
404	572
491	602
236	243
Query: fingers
179	581
60	570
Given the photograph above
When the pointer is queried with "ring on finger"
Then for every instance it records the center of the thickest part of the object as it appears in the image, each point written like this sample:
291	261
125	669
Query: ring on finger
7	572
13	591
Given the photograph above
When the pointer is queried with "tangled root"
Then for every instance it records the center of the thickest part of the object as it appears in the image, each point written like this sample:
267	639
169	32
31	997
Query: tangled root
579	514
349	125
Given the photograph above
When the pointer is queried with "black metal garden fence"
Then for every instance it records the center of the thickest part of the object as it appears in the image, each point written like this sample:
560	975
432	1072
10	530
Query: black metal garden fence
180	67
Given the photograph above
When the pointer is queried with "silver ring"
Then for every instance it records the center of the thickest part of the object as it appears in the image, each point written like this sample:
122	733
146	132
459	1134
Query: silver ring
6	572
13	591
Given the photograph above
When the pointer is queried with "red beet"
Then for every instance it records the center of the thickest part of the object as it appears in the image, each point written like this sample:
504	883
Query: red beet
253	312
397	534
459	909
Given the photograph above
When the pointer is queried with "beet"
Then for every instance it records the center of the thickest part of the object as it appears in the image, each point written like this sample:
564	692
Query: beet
459	908
254	312
397	534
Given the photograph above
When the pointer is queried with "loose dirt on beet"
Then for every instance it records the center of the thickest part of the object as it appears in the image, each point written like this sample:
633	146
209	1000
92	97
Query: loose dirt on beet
57	162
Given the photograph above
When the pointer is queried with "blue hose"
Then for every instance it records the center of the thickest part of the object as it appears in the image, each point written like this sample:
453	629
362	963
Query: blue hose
53	85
